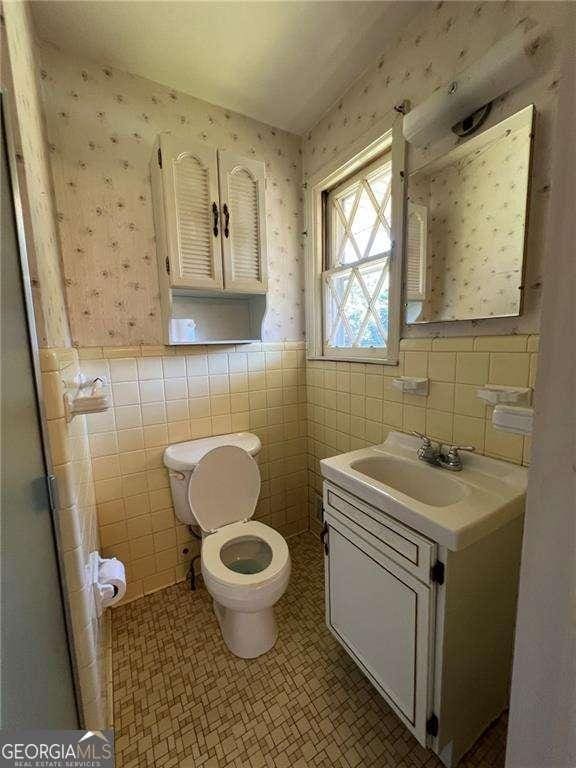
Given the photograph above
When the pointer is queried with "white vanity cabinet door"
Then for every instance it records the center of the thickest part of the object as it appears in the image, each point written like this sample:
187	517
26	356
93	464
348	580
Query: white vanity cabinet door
382	616
191	205
243	208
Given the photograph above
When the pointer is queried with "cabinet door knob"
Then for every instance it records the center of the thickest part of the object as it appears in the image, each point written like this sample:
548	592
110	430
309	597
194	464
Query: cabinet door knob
215	219
226	220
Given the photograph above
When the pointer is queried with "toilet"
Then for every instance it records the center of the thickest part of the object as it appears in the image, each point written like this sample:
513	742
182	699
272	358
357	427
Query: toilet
215	486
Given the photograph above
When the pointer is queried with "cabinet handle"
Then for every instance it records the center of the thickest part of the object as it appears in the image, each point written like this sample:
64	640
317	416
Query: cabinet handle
215	219
226	221
324	538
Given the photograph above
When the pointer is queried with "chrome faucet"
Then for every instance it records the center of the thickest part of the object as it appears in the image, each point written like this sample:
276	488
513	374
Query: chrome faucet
432	453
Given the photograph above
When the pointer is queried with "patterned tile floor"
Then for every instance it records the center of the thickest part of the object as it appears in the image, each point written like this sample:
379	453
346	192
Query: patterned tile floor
181	700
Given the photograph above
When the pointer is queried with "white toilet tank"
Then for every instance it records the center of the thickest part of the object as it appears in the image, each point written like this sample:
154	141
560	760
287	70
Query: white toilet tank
182	458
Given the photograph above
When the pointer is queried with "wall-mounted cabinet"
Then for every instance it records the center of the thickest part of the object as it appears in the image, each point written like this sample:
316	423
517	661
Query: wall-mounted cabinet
210	219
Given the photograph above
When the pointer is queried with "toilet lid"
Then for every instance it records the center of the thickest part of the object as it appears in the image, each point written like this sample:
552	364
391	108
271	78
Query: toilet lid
224	488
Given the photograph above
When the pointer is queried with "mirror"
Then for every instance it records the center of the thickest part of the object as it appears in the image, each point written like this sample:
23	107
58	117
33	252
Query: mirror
466	227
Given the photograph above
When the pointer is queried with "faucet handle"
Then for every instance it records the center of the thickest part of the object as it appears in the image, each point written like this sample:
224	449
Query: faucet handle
457	448
451	460
428	451
427	440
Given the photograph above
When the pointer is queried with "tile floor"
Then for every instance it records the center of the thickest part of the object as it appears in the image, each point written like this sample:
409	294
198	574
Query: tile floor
181	700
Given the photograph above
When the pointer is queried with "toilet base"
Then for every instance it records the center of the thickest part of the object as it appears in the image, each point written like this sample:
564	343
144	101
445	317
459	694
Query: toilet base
247	635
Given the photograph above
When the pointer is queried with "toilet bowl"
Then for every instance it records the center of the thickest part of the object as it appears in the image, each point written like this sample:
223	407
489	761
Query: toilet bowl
245	564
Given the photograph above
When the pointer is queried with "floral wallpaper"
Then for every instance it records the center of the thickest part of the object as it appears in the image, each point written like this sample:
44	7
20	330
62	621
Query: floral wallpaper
443	39
101	126
19	82
102	123
476	217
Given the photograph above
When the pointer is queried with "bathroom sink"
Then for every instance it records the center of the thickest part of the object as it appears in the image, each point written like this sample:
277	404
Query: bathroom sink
417	482
453	510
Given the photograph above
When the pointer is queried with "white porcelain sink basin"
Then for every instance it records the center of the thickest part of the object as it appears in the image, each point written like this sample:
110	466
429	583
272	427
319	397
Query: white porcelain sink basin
454	509
416	481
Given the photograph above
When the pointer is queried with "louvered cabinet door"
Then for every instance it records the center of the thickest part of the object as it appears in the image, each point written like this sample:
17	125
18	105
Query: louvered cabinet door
190	176
242	198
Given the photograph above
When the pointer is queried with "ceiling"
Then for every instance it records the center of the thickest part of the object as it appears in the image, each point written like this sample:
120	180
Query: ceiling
283	63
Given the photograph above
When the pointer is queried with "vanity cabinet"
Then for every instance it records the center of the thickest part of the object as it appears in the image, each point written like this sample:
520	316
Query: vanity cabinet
379	598
432	629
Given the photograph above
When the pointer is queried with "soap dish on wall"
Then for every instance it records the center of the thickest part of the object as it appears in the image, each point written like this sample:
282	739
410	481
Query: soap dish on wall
498	394
86	396
513	418
411	385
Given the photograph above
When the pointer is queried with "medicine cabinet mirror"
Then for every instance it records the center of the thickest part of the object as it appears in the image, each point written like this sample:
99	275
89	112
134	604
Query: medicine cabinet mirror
466	227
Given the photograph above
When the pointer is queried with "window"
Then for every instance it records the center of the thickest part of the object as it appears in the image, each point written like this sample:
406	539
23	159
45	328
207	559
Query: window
354	227
357	222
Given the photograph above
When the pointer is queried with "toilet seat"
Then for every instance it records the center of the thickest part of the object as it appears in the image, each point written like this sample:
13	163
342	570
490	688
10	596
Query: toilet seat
223	492
215	568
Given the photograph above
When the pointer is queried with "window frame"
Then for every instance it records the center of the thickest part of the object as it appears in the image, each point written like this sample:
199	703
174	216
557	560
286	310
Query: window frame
340	168
331	269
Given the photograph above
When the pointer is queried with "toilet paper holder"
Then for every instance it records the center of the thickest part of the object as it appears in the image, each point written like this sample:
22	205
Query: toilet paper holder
105	594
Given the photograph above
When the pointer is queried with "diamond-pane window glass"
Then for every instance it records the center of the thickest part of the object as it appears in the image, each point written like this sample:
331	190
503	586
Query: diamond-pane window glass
358	218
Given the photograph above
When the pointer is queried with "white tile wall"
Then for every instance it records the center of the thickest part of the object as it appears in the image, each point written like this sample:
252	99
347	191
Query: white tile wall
163	395
351	405
70	449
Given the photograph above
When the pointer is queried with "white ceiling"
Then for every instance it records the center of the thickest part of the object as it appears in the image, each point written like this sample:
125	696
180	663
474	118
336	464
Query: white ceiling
284	63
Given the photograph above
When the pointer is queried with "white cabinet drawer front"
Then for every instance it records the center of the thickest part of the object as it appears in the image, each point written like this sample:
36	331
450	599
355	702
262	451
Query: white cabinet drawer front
401	544
381	615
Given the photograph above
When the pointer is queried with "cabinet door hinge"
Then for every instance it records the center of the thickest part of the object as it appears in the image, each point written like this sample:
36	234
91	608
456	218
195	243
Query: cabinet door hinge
437	572
432	726
52	486
324	538
167	265
159	157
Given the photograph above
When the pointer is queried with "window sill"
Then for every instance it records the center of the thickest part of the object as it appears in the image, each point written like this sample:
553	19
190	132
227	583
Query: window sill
337	359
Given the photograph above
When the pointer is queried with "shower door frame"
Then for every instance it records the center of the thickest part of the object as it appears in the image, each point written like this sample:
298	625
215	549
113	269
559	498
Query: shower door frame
8	115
